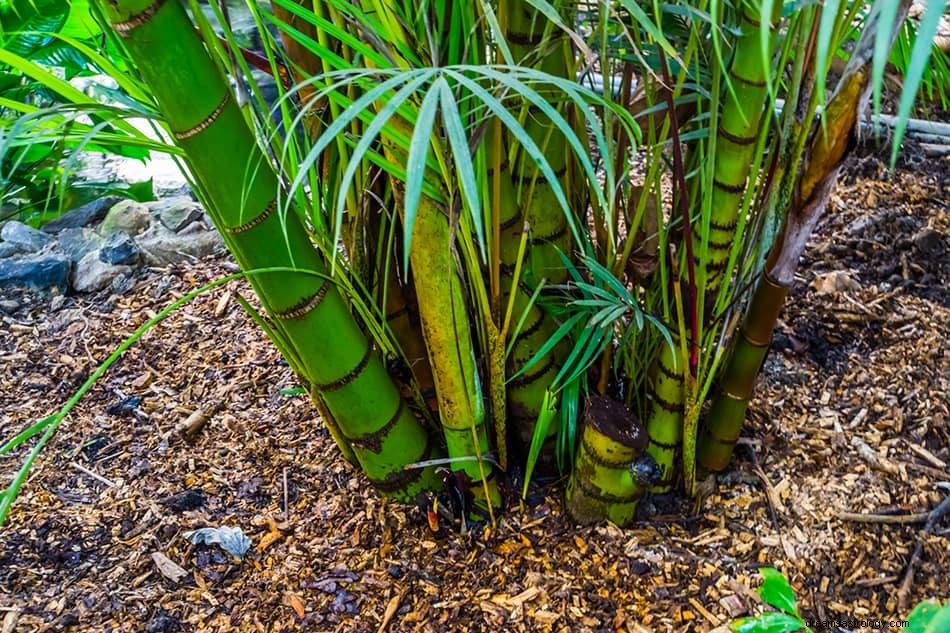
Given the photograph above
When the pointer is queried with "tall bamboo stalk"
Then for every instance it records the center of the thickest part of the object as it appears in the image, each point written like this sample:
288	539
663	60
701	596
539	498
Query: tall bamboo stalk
529	204
737	132
243	199
830	145
736	135
445	326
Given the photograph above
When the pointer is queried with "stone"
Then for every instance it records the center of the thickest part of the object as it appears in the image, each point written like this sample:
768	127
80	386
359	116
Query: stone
127	216
26	238
8	249
77	241
161	247
93	274
44	271
176	213
195	227
927	240
119	248
87	215
122	284
9	305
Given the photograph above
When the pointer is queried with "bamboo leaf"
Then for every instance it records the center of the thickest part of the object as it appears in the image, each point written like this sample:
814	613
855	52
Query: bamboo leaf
552	14
556	338
498	37
650	27
523	137
580	147
826	27
416	166
541	426
765	38
464	169
593	348
776	591
882	45
919	56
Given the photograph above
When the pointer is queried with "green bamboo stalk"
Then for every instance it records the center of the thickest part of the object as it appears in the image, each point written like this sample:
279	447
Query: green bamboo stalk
722	425
736	136
735	143
828	147
242	193
445	326
529	201
605	482
665	424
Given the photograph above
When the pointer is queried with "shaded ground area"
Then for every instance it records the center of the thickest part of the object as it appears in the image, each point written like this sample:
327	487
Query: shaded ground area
851	415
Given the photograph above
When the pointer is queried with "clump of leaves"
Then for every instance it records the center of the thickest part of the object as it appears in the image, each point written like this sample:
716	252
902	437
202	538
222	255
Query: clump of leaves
927	617
46	122
775	591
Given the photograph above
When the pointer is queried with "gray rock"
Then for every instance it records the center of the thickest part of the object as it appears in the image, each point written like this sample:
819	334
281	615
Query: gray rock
76	242
176	213
9	305
25	237
122	284
92	274
198	226
927	240
86	215
161	247
46	271
8	249
119	249
127	216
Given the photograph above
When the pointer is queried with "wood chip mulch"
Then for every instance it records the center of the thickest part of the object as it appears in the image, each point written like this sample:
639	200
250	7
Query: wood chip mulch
193	427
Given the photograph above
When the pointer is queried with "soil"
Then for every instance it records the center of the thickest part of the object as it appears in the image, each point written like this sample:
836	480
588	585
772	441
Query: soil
850	416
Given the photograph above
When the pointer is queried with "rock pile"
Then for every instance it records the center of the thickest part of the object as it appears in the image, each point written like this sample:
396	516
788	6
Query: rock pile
99	245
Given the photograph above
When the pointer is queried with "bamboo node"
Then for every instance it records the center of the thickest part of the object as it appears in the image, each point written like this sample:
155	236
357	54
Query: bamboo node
137	20
374	441
250	224
350	376
308	304
206	123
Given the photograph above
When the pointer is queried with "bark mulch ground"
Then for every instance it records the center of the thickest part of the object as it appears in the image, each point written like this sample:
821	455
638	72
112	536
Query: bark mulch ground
850	417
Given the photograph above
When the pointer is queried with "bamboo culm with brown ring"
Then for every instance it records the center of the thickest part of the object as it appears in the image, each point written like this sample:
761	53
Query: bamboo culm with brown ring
242	195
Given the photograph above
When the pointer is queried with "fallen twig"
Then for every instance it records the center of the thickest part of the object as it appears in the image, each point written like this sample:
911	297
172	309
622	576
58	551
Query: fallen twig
860	517
92	474
769	490
933	518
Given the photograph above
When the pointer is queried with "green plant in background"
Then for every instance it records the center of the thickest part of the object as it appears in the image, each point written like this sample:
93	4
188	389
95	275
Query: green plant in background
775	591
929	617
926	617
935	82
934	89
45	121
469	206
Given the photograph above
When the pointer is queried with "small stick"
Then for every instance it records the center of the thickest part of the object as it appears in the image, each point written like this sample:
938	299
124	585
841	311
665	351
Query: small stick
286	504
192	425
860	517
10	619
704	612
933	519
927	456
96	476
927	470
769	491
